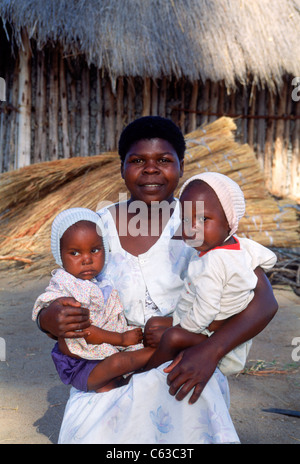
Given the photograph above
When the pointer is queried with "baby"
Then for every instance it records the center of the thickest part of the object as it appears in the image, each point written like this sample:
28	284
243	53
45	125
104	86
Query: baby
220	278
79	246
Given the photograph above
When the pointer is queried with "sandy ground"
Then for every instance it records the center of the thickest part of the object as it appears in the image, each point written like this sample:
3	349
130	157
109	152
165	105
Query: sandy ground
32	398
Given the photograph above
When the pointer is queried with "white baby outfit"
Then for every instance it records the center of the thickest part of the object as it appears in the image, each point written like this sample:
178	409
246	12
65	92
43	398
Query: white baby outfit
219	284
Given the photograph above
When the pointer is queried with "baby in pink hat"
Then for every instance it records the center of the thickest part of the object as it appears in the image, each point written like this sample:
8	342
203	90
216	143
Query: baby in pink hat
220	278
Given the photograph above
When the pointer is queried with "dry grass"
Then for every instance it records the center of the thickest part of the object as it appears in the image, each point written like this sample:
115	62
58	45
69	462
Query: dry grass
31	197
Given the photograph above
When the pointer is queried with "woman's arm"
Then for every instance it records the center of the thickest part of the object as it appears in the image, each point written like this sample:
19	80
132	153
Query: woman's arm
190	370
64	318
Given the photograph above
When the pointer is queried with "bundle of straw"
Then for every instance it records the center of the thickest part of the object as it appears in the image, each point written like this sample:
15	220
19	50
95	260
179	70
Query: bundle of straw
31	197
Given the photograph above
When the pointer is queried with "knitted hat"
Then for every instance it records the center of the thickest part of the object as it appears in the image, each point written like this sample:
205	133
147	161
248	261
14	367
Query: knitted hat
229	194
66	219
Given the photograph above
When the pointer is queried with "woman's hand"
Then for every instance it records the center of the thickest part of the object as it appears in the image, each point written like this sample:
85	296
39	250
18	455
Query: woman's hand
191	370
65	318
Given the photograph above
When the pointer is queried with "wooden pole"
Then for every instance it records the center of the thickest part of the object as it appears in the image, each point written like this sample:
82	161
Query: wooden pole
146	97
53	106
73	110
24	104
245	112
269	142
162	97
40	147
64	108
154	98
130	100
221	102
192	123
85	119
182	106
252	104
286	146
109	117
278	158
120	108
214	97
295	164
98	113
205	102
12	161
9	119
260	146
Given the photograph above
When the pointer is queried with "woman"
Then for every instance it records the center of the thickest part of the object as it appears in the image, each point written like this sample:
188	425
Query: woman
148	268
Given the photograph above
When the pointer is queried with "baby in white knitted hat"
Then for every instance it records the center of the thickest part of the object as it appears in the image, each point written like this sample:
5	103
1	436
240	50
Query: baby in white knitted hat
220	278
79	246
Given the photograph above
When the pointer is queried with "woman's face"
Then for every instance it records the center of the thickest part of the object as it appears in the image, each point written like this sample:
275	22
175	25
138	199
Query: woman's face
151	171
204	224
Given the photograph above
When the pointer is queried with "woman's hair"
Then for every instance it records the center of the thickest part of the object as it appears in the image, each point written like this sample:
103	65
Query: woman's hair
152	127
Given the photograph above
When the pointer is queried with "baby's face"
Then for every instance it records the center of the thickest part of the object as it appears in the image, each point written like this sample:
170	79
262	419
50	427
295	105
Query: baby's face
82	250
204	224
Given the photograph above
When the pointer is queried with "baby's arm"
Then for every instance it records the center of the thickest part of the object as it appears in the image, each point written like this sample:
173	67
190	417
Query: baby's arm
96	336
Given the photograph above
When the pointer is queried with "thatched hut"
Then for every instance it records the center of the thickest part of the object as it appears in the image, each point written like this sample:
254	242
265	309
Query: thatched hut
76	72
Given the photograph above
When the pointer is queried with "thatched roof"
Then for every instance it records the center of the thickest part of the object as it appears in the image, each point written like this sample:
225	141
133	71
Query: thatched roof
230	40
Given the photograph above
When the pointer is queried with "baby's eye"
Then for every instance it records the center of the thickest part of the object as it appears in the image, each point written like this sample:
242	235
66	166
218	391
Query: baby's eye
74	253
185	220
96	250
201	219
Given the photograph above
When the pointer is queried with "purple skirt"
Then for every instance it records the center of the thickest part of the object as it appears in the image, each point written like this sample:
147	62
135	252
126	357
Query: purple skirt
73	371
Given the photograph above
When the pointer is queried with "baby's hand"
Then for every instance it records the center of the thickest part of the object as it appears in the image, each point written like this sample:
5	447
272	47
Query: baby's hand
132	337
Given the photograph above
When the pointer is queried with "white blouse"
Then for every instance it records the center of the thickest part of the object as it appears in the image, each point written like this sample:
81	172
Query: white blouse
156	275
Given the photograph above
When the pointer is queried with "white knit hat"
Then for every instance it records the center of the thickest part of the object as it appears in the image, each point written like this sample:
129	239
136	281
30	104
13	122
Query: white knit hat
66	219
229	194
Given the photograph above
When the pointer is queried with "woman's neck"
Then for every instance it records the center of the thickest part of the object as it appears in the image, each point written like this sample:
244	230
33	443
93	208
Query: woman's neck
139	225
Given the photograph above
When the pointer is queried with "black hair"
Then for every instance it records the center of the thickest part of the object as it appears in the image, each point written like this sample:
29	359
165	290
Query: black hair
152	127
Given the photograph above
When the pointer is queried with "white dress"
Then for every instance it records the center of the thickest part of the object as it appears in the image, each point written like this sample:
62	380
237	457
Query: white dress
143	412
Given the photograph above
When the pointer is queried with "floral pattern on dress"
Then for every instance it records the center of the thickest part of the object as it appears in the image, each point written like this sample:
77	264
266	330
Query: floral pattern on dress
162	420
107	315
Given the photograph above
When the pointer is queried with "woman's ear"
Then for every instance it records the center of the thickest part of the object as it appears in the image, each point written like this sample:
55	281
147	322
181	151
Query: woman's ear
122	169
181	167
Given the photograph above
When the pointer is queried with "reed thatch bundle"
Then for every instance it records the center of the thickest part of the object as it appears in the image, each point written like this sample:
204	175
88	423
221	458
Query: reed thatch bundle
31	197
219	40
